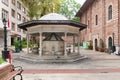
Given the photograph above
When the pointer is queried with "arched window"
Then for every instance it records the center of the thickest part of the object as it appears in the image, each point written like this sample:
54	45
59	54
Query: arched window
96	20
110	12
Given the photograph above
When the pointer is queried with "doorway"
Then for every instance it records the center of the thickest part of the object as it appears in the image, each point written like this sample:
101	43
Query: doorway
96	45
110	43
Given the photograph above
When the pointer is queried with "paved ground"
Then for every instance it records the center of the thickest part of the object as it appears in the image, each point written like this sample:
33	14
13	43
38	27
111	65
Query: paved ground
98	66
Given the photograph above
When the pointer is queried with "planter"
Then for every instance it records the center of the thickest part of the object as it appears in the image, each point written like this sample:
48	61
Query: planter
91	47
17	49
101	49
96	49
106	50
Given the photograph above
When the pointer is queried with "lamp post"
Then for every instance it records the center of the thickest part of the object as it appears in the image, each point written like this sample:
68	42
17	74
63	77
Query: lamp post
5	51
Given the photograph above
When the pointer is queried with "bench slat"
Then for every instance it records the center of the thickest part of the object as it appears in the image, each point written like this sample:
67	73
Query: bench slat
8	72
10	75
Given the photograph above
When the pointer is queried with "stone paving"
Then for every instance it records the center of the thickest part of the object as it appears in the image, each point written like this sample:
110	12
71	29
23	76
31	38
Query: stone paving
98	66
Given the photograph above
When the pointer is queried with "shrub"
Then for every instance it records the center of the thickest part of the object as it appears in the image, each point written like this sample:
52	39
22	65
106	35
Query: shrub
2	60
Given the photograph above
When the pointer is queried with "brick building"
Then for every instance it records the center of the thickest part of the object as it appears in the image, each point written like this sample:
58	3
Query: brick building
103	22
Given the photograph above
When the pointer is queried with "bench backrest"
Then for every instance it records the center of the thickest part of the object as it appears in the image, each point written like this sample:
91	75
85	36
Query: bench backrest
5	70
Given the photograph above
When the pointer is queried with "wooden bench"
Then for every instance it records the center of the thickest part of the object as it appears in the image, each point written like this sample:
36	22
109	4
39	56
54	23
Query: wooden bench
9	72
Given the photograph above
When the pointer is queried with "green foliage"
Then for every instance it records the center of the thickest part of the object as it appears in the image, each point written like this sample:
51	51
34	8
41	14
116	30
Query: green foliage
81	44
17	43
76	19
24	43
2	60
76	44
38	8
33	8
69	8
49	6
24	46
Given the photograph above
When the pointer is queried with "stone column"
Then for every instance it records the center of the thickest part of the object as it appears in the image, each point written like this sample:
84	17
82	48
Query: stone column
73	43
65	44
79	43
40	44
27	42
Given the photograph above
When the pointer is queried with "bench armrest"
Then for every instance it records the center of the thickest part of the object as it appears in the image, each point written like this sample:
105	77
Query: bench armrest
19	68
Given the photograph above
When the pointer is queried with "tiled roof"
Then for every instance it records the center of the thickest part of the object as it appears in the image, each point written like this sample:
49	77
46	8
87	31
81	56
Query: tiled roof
51	22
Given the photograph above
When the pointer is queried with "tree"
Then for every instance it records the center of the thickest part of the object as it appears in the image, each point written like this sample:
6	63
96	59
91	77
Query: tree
33	8
69	8
49	6
38	8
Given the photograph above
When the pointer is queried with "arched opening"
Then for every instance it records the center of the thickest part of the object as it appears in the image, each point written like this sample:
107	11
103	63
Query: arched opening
110	12
110	43
96	44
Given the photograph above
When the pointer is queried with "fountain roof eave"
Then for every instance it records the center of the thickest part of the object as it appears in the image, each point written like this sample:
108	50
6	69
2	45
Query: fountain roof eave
51	22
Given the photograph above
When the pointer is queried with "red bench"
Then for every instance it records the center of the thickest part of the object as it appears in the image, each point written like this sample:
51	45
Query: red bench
9	72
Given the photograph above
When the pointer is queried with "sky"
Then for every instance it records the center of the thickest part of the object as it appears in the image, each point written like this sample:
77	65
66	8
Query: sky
80	1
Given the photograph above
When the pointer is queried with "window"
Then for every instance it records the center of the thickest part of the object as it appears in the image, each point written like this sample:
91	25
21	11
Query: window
110	12
18	29
23	10
5	2
24	19
13	13
13	2
13	26
96	20
18	16
4	14
18	5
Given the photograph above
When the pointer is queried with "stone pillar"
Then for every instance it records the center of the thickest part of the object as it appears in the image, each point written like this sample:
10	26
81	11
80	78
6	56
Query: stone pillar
73	43
27	42
78	43
65	44
40	44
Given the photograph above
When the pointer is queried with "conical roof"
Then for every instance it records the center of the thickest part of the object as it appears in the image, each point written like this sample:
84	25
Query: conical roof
53	37
53	16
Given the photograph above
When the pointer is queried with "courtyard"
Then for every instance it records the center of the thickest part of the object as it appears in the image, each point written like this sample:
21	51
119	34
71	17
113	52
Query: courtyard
97	66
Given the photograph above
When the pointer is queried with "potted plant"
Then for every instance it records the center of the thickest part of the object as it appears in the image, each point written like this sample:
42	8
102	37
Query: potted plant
17	45
90	45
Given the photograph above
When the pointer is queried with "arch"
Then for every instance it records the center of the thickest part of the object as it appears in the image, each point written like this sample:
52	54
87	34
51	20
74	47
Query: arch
110	12
96	44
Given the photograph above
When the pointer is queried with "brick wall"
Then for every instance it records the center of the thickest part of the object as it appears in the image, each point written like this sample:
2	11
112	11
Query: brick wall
105	27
